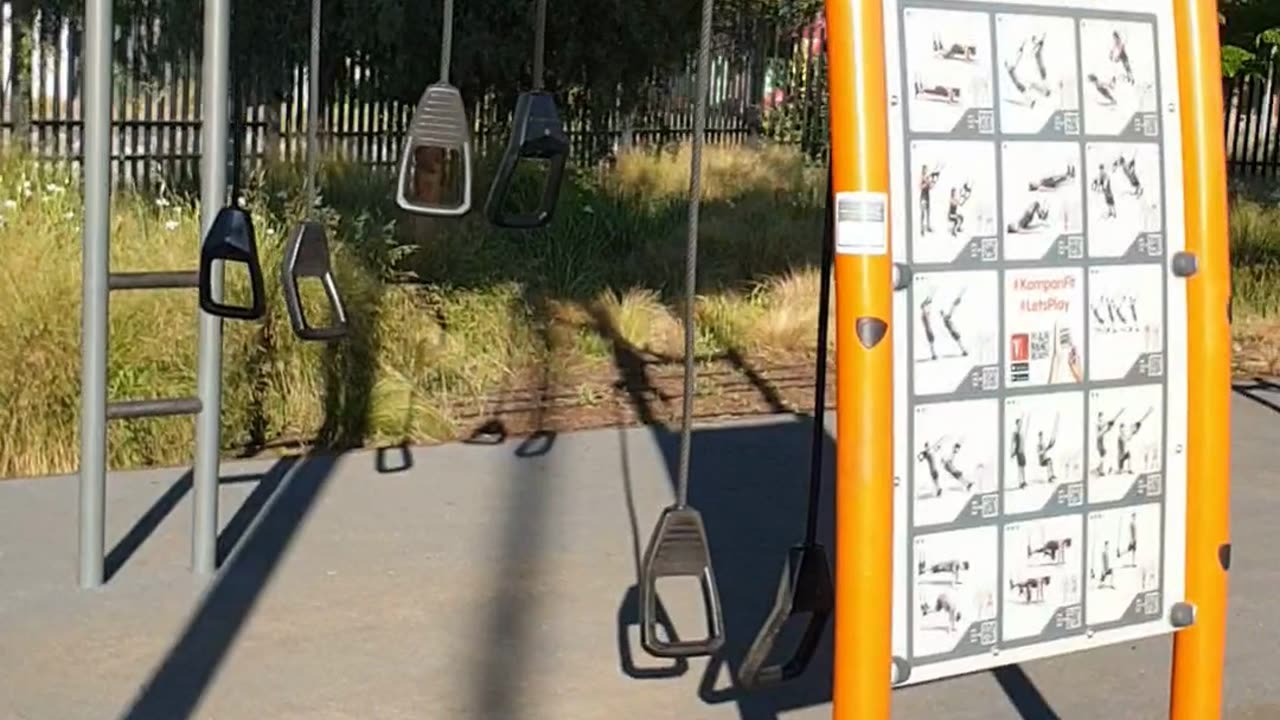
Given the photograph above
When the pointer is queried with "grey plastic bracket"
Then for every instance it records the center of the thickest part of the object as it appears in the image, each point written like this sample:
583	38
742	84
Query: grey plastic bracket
1185	264
1182	615
901	276
901	670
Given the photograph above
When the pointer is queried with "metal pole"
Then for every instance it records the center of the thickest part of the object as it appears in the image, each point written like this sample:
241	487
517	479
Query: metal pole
864	361
1199	652
213	189
93	309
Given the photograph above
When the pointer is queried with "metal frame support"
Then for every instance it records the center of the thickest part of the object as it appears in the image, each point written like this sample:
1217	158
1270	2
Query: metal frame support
864	362
213	193
94	271
99	281
1199	651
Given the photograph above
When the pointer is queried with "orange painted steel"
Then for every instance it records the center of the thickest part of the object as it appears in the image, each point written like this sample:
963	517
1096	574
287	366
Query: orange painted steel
864	376
1200	650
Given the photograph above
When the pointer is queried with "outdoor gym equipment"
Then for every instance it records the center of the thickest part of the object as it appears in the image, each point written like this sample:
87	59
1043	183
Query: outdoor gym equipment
306	254
439	131
678	546
536	134
232	239
806	586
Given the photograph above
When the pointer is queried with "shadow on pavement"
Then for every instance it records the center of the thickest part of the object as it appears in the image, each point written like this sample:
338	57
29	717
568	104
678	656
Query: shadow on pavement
1264	392
750	483
155	516
287	494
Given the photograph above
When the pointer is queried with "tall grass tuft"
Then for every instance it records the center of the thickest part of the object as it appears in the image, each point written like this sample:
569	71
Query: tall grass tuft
442	312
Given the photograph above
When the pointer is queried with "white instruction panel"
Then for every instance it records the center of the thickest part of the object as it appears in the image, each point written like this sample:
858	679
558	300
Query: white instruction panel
1040	397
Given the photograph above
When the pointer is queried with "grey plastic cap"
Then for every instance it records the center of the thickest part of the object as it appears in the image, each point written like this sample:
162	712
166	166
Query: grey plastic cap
1182	615
439	121
1185	264
901	276
901	670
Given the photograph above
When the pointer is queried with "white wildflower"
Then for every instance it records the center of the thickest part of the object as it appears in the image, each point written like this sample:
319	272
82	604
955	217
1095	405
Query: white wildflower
70	214
171	225
10	205
54	189
162	202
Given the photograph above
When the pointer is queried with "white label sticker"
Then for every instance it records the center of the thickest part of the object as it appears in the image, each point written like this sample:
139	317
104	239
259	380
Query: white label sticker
862	226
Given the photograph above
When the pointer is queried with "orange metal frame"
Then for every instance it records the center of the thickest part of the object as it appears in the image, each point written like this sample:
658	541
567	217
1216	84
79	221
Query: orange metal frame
864	456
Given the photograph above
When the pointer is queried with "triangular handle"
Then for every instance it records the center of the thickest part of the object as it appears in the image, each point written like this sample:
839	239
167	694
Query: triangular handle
536	134
806	588
678	548
307	255
231	238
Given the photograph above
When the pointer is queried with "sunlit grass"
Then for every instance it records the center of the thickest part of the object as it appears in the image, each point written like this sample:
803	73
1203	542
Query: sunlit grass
442	312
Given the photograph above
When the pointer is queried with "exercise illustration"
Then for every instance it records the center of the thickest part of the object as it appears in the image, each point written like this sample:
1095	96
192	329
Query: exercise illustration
928	181
1101	185
936	92
1033	219
948	570
1065	355
929	455
1124	557
953	200
1119	65
1053	182
1052	551
1115	314
947	315
1034	89
1125	433
947	68
1030	590
959	196
944	604
967	52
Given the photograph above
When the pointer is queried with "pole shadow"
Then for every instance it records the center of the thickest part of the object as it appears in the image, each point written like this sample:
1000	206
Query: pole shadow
749	482
154	517
1261	391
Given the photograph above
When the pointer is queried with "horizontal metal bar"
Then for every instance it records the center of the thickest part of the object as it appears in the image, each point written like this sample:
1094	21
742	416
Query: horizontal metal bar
169	279
161	407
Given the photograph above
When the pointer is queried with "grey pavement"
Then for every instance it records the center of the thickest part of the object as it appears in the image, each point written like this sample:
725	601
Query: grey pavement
497	582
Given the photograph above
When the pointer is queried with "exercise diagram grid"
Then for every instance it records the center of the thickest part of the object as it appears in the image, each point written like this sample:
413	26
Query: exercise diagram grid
1036	391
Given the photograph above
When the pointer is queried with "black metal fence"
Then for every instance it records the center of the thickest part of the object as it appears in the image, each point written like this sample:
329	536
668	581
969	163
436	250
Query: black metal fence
775	90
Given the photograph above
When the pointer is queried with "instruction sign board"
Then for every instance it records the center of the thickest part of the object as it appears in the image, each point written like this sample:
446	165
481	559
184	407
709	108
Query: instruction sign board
1040	362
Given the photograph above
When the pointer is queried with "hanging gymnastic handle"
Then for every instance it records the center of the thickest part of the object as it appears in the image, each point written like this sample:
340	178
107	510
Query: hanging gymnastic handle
231	239
307	255
806	587
439	122
678	548
536	134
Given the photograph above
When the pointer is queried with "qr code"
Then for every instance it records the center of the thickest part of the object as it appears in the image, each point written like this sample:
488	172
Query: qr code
990	378
986	122
1039	344
1155	244
990	506
1072	617
1155	365
1155	485
1075	247
1151	604
988	249
987	634
1151	125
1075	495
1071	124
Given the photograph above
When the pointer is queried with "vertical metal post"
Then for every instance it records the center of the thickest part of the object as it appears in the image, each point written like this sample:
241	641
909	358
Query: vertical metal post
864	361
1200	650
213	189
94	271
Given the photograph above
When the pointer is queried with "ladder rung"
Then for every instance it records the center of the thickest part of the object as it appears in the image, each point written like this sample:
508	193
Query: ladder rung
169	279
162	407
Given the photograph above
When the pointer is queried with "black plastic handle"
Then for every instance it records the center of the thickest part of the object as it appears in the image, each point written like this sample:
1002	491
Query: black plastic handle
307	255
678	548
536	134
231	239
806	588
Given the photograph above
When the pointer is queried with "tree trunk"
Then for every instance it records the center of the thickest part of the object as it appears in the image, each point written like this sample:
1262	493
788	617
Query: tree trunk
22	17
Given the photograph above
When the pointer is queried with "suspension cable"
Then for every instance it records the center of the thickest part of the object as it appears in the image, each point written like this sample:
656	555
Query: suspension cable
701	87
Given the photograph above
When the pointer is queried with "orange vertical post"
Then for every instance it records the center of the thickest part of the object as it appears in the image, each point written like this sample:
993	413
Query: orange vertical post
1200	650
864	368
